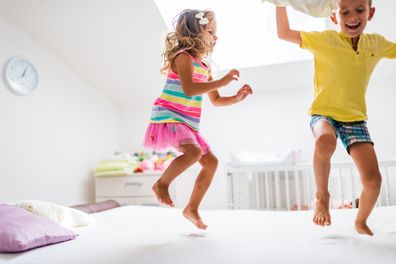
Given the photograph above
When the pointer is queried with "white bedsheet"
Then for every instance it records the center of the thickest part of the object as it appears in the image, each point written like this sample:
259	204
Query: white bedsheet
137	234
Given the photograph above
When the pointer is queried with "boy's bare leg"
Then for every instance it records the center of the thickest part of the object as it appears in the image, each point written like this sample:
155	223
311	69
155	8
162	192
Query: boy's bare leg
191	154
325	144
209	165
366	162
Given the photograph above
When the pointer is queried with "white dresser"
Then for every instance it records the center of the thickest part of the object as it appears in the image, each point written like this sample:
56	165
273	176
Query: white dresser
134	189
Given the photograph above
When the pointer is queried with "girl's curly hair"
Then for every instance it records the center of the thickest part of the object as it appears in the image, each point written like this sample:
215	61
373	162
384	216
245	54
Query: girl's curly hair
187	36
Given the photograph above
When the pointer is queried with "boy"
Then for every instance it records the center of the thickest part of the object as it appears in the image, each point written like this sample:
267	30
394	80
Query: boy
344	62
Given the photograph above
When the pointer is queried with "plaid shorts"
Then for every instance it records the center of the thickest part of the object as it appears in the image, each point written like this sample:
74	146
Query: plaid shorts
348	132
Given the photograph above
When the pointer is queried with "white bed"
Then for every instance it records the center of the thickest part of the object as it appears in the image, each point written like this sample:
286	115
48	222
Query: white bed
139	234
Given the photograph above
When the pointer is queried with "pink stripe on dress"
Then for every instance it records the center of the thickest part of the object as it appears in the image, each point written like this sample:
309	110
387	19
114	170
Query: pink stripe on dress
191	111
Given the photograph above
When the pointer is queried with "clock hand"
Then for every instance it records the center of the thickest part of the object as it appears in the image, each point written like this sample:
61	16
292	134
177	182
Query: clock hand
24	72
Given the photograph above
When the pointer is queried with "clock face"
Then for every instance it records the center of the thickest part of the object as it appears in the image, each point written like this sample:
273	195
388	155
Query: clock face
20	76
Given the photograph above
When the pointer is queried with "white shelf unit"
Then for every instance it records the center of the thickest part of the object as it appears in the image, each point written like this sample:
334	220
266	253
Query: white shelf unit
134	189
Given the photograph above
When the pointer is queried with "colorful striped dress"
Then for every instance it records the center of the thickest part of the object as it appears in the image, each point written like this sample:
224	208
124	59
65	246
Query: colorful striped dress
173	106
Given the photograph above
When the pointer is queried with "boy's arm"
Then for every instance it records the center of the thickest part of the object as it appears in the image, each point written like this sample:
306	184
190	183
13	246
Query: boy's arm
387	49
390	49
283	27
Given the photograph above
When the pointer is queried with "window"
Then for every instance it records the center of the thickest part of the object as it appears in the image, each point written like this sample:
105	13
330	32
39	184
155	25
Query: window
246	31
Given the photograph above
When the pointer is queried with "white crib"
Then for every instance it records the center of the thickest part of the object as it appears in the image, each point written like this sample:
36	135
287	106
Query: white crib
291	187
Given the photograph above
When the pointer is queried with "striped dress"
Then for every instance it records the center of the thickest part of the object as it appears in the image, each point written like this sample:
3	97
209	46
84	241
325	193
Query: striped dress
173	106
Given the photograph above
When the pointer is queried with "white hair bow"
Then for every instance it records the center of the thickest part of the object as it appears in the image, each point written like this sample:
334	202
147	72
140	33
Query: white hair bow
202	20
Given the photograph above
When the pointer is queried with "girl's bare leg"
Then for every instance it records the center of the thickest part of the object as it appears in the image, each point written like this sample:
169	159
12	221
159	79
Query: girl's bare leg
366	162
325	144
191	154
209	164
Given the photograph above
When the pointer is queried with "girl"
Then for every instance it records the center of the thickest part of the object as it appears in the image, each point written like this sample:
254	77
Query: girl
176	113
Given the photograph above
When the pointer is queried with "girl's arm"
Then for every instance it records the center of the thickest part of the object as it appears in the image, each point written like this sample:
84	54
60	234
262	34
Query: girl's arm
184	67
284	31
218	100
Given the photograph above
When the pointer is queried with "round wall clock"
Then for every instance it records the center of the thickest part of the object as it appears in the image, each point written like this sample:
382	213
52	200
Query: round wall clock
20	76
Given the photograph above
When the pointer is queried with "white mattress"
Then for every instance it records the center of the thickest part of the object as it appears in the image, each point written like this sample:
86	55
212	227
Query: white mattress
137	234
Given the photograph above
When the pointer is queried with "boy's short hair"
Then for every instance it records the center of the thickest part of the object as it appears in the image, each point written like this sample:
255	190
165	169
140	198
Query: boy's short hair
370	3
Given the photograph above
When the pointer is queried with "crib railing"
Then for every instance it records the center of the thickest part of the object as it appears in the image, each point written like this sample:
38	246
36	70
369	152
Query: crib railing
292	187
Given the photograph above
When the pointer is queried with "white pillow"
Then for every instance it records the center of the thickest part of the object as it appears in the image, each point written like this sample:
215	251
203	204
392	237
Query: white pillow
65	216
317	8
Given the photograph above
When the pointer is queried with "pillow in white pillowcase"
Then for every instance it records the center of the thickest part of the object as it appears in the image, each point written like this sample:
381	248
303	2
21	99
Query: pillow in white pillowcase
316	8
63	215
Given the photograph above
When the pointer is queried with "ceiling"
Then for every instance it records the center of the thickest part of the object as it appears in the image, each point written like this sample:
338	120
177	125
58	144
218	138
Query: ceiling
115	45
109	44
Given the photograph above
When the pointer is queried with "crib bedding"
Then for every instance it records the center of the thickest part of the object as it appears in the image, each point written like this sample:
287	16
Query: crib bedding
143	234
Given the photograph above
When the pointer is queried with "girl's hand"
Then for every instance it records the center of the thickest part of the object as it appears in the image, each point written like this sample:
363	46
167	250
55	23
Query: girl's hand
232	75
243	92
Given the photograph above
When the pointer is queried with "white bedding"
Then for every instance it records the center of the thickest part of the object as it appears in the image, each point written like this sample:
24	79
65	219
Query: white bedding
138	234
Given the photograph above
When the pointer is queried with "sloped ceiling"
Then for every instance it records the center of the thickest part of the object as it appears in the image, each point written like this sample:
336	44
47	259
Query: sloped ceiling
114	45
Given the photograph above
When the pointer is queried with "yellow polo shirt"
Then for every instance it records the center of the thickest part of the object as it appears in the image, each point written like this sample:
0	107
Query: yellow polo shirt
341	73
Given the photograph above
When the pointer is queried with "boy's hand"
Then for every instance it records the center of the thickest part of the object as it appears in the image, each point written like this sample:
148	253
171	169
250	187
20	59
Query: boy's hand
243	92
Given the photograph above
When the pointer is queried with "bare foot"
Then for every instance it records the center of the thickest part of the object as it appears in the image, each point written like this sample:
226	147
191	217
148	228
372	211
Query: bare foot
362	228
322	214
194	217
162	193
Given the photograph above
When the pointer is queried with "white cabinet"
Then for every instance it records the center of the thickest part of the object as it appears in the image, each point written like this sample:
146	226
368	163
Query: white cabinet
134	189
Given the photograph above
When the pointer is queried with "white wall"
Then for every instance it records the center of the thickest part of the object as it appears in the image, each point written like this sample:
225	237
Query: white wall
275	118
51	139
68	125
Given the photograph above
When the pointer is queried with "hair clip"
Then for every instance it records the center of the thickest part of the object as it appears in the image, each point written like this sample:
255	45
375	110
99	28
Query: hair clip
202	20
